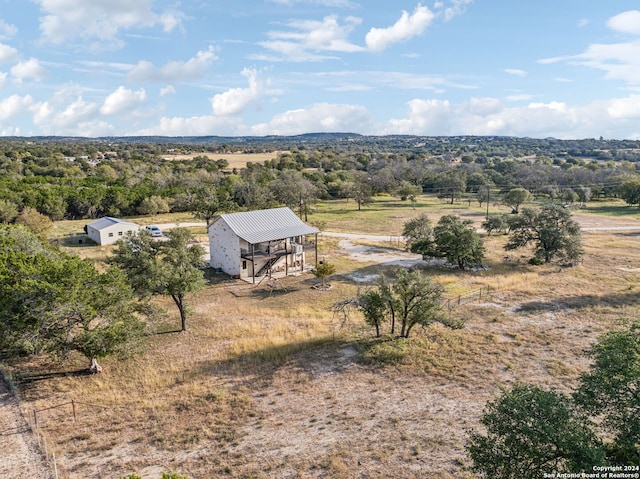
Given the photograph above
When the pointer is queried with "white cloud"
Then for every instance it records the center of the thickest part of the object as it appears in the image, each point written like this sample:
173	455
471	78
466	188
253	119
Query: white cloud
308	37
515	72
168	90
15	105
3	79
174	71
122	100
519	97
406	27
7	30
626	22
235	100
326	3
625	108
457	7
320	117
484	106
616	118
429	117
8	53
196	126
64	20
619	61
28	69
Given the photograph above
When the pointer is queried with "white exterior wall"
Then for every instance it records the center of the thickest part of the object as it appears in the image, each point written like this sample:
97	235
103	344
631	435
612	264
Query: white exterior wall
94	234
102	236
224	248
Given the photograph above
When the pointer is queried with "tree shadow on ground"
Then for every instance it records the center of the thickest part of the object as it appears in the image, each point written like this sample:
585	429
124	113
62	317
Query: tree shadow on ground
26	380
615	300
305	359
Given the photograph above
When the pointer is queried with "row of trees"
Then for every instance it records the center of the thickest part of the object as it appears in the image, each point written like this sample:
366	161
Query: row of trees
137	179
530	431
550	230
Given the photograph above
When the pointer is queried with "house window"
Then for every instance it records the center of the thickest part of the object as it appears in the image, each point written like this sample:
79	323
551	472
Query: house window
110	235
244	265
119	233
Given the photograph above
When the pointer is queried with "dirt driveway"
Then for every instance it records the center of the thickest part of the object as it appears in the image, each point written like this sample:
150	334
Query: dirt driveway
19	456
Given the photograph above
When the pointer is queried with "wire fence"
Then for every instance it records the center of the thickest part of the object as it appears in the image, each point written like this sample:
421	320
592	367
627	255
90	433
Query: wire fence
470	297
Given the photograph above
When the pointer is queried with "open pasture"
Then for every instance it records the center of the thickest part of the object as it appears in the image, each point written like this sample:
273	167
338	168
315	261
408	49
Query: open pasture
270	384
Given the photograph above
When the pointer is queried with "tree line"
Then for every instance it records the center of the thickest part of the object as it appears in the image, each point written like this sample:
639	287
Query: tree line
55	178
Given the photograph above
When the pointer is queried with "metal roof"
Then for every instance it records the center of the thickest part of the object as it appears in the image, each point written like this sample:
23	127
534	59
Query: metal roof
108	221
267	225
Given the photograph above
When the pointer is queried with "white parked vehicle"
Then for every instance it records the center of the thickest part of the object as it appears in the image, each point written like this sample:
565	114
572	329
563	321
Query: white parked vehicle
154	230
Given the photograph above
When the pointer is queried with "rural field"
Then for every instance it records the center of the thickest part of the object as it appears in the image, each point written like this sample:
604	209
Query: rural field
236	160
269	383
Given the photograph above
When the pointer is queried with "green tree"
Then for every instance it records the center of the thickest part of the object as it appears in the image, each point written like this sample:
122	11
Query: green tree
208	202
154	205
8	211
530	431
516	197
451	184
56	303
416	230
169	268
630	191
407	191
550	230
455	240
36	222
374	309
497	223
323	271
416	300
611	391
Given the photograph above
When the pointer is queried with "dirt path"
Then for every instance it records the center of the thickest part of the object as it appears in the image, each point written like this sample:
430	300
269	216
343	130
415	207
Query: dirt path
19	457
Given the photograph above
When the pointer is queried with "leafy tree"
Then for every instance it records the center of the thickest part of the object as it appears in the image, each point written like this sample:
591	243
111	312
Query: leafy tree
169	268
499	223
323	271
530	431
517	197
451	184
374	309
154	205
407	191
417	229
455	240
418	300
630	191
208	202
36	222
295	191
550	230
584	194
611	391
56	303
360	190
8	211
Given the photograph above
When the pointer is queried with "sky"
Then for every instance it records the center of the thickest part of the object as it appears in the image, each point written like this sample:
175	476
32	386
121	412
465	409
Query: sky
566	69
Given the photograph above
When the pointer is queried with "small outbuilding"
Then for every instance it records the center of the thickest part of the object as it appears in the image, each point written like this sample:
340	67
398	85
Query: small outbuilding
108	230
253	244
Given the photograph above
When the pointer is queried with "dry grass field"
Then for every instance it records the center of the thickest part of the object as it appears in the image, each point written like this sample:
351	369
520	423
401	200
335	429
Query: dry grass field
236	160
269	384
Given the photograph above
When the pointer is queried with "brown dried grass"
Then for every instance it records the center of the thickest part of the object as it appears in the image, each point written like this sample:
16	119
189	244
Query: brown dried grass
268	384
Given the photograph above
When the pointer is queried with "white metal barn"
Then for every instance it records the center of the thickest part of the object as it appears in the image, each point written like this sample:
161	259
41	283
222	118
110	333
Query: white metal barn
108	230
252	244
